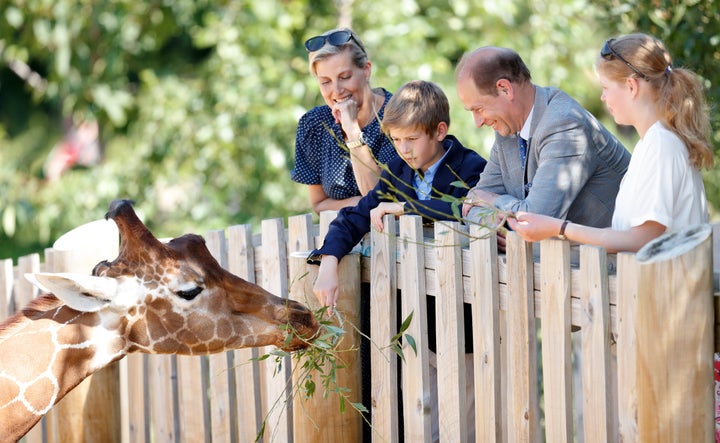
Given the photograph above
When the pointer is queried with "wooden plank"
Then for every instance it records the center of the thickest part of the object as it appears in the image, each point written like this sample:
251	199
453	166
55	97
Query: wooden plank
24	290
675	361
556	340
318	419
241	262
192	400
162	416
278	418
92	409
486	334
522	343
598	390
418	409
577	308
451	335
627	290
135	424
221	378
6	288
383	326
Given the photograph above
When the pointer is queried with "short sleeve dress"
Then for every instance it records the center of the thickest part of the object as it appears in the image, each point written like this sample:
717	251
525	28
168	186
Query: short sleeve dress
321	157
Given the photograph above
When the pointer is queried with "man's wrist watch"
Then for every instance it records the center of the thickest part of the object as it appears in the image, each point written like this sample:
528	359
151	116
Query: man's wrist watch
356	143
561	235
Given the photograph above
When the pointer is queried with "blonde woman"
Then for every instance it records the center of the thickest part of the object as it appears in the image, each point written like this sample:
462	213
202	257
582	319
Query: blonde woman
663	188
339	146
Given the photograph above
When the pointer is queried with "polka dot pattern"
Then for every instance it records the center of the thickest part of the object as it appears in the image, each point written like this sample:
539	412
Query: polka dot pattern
322	158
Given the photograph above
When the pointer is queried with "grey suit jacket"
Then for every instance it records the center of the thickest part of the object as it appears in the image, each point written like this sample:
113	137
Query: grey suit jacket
574	165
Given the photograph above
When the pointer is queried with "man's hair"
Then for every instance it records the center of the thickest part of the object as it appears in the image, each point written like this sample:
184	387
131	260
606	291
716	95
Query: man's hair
487	65
417	104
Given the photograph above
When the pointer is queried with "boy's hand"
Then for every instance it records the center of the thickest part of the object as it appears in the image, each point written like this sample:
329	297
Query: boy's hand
326	285
377	213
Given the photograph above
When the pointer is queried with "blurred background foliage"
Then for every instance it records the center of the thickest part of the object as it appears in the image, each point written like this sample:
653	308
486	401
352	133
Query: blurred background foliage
197	101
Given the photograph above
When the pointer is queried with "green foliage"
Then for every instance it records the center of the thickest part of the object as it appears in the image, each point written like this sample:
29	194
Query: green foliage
198	100
320	361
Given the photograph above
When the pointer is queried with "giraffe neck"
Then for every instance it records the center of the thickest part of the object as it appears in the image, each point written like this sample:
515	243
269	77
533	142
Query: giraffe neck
47	350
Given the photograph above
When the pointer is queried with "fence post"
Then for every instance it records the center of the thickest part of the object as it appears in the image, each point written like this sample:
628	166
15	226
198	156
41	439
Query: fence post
241	262
675	337
6	285
451	375
522	392
318	419
383	326
416	387
91	411
486	334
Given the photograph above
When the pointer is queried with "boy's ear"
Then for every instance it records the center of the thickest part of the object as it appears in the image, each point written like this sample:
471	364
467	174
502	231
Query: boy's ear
441	131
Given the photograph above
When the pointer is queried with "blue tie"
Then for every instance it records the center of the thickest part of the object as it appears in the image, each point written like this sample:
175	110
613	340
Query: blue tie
523	150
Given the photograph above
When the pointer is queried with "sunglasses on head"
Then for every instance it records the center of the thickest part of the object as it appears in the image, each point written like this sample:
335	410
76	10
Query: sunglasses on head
607	52
337	38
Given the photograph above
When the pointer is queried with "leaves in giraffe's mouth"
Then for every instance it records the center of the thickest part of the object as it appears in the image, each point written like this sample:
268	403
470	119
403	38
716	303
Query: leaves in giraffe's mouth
318	363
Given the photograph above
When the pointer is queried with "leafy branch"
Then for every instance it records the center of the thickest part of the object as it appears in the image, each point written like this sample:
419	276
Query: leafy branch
316	366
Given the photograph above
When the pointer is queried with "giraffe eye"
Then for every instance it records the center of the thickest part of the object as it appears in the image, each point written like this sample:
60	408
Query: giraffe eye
190	293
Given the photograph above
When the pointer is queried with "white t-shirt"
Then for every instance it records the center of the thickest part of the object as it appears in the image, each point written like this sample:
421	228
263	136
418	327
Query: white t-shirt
660	185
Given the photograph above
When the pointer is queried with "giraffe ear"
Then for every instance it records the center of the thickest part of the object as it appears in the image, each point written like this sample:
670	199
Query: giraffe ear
81	292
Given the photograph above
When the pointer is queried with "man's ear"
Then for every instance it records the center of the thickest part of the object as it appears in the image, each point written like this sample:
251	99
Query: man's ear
504	87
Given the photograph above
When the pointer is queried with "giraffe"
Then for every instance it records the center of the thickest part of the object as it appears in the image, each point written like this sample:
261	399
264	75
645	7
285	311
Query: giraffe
163	298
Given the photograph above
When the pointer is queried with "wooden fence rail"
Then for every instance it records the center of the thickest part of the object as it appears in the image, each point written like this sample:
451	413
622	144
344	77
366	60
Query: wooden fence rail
569	345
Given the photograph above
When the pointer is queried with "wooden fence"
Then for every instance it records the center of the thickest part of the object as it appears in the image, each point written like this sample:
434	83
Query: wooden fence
566	347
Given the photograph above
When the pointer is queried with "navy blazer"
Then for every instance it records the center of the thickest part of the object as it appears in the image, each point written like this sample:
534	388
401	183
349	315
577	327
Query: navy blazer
396	184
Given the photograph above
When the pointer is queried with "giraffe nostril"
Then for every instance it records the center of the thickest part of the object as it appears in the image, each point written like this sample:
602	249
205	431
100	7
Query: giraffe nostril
100	268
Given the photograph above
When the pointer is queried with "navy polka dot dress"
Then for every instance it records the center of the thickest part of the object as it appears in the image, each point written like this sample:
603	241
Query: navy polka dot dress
321	157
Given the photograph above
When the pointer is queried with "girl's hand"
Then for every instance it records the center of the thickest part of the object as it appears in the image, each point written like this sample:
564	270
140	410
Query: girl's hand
534	227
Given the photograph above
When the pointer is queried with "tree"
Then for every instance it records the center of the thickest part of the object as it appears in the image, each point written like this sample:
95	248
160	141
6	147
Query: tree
198	100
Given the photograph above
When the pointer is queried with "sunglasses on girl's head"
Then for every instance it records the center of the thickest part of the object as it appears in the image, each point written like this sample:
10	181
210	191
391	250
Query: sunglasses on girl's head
607	52
337	38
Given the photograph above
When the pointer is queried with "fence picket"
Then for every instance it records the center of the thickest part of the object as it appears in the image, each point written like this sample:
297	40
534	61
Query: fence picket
626	346
221	377
416	389
383	325
597	390
522	342
486	334
241	262
277	386
452	403
556	340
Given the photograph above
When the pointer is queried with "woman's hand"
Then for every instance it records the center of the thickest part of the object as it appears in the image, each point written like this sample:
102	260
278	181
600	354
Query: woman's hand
377	213
326	286
534	227
346	114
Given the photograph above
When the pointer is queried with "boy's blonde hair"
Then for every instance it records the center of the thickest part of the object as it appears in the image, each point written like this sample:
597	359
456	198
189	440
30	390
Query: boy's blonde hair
417	104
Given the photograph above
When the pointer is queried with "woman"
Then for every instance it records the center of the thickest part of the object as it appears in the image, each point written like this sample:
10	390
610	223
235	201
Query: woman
339	145
663	188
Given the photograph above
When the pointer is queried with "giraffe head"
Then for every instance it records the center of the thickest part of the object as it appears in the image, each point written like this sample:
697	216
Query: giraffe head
175	298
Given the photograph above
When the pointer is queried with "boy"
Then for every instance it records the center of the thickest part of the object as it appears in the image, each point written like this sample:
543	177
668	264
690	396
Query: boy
416	118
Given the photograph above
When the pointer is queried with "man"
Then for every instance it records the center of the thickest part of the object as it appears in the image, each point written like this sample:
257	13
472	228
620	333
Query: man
550	155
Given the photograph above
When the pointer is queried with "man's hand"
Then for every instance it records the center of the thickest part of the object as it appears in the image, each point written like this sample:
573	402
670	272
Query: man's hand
478	197
377	213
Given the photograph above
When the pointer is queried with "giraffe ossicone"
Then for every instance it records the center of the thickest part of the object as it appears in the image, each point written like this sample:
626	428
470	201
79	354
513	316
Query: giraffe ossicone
155	297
